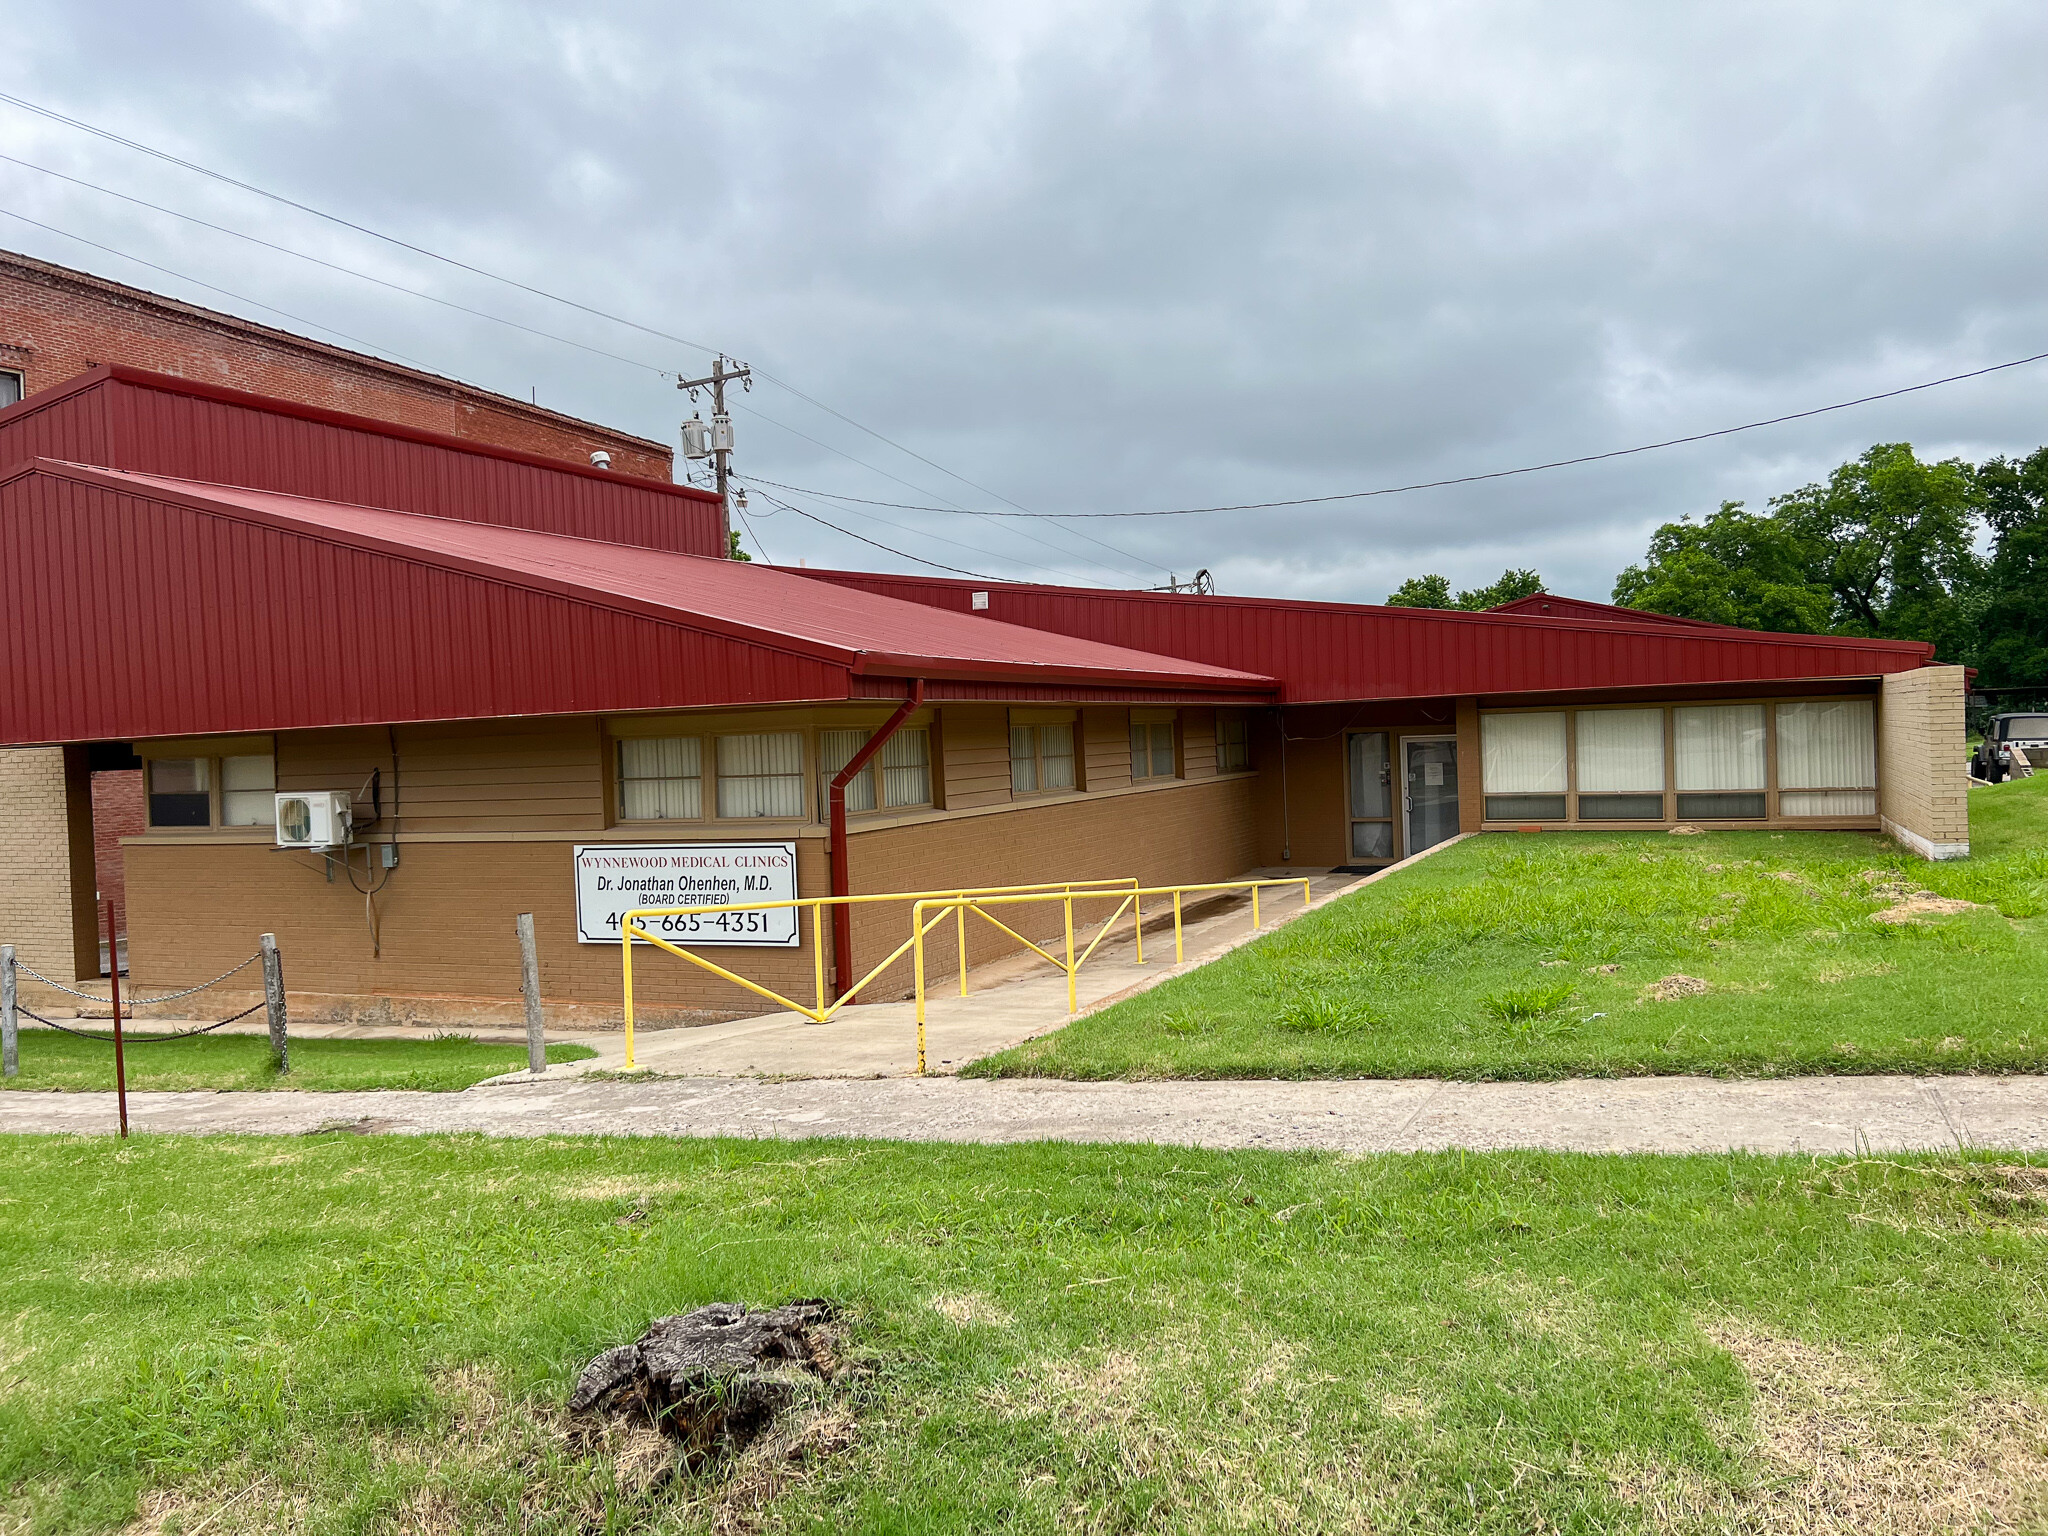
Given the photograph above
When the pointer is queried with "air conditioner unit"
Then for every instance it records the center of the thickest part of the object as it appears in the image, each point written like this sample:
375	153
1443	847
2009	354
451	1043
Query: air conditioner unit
319	818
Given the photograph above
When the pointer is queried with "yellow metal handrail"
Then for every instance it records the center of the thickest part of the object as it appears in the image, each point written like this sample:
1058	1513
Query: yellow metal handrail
631	928
1132	900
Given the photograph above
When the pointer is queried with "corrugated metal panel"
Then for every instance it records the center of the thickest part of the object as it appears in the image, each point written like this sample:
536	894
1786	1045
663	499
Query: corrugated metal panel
123	418
1333	651
146	606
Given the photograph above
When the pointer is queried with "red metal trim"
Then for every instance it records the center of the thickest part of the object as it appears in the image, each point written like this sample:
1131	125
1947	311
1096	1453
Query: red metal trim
1214	680
170	384
842	877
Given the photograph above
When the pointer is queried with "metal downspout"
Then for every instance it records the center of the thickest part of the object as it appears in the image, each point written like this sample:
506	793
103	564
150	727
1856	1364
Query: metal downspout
842	883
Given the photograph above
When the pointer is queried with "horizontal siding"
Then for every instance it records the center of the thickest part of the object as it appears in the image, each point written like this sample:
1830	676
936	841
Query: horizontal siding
1198	743
1106	737
977	757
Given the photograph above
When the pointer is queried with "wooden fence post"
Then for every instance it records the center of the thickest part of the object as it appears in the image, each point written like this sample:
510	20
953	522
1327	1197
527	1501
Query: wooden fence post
10	1039
273	1002
529	984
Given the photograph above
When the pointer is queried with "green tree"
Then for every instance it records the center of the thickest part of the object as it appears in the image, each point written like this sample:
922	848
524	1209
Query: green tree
1737	567
2010	619
1511	585
1883	548
1890	538
732	546
1421	592
1435	592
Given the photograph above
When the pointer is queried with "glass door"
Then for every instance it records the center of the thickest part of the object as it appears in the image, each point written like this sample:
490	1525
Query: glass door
1372	798
1429	802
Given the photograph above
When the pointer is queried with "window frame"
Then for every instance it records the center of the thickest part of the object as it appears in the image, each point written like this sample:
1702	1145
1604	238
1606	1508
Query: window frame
705	783
1151	721
806	756
213	765
1038	728
1241	720
1780	790
20	386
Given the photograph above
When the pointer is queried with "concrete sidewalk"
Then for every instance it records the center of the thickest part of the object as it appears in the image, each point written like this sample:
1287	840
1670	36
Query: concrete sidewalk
1656	1114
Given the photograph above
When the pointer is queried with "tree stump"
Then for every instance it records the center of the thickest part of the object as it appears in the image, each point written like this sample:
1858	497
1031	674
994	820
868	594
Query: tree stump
714	1380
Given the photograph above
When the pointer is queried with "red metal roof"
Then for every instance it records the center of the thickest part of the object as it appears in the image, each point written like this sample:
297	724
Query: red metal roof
1336	652
1539	603
126	418
144	605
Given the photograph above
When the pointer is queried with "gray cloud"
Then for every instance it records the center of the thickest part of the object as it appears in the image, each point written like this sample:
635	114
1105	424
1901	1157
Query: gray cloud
1102	257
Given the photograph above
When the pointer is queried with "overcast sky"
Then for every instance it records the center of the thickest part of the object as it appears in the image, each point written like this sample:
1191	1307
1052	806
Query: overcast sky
1101	257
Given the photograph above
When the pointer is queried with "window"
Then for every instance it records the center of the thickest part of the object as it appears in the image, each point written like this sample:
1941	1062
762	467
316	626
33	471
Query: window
248	791
1522	766
661	778
761	775
835	751
1372	798
905	762
1233	742
1620	756
1151	747
1720	753
907	768
180	791
1827	758
10	387
1041	758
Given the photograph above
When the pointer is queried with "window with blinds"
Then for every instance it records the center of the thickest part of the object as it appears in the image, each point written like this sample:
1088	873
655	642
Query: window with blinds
1827	758
904	764
1152	749
1619	755
1522	768
1233	741
1719	750
1041	758
661	778
761	776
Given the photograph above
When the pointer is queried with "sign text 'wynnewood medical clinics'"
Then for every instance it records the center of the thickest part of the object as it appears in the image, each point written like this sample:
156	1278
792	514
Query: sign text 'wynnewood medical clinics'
613	879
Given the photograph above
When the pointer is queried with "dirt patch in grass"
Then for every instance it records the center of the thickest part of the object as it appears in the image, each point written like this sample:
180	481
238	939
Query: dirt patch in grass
1918	905
1836	1449
1671	988
972	1309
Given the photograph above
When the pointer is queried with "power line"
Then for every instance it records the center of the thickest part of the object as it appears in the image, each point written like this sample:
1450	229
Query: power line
433	255
334	266
239	298
876	543
973	549
1496	474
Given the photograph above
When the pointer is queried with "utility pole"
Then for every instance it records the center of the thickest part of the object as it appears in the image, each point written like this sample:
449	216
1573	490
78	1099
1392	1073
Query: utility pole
717	443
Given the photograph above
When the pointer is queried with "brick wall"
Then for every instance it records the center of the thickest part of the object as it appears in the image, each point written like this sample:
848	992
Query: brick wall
45	870
1922	771
55	323
117	812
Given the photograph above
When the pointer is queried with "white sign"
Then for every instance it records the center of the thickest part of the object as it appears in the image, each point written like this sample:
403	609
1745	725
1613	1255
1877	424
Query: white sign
613	879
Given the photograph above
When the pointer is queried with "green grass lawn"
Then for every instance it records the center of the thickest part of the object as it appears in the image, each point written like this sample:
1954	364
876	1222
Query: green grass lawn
344	1334
51	1059
1514	956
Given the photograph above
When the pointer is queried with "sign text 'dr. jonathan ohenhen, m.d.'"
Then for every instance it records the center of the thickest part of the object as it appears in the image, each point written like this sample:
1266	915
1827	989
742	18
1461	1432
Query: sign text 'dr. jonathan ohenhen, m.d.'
613	879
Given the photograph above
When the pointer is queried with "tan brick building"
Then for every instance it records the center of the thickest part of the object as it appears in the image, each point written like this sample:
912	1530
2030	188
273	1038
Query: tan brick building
56	324
530	689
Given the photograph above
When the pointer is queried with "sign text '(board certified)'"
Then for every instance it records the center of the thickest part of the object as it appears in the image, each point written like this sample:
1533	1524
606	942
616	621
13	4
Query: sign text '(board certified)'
613	879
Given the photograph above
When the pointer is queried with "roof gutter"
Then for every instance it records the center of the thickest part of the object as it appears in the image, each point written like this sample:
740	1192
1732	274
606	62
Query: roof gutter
842	881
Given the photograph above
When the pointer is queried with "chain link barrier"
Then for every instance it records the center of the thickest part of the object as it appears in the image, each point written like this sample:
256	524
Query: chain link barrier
138	1002
128	1039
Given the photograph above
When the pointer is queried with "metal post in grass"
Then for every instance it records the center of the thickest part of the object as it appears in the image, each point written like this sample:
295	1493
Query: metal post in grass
10	1039
273	1002
114	989
529	985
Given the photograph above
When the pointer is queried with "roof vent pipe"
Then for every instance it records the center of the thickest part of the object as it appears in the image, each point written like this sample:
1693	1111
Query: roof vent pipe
599	459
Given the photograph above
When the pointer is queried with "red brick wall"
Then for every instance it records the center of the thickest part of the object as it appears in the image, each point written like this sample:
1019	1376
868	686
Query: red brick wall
56	323
117	812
